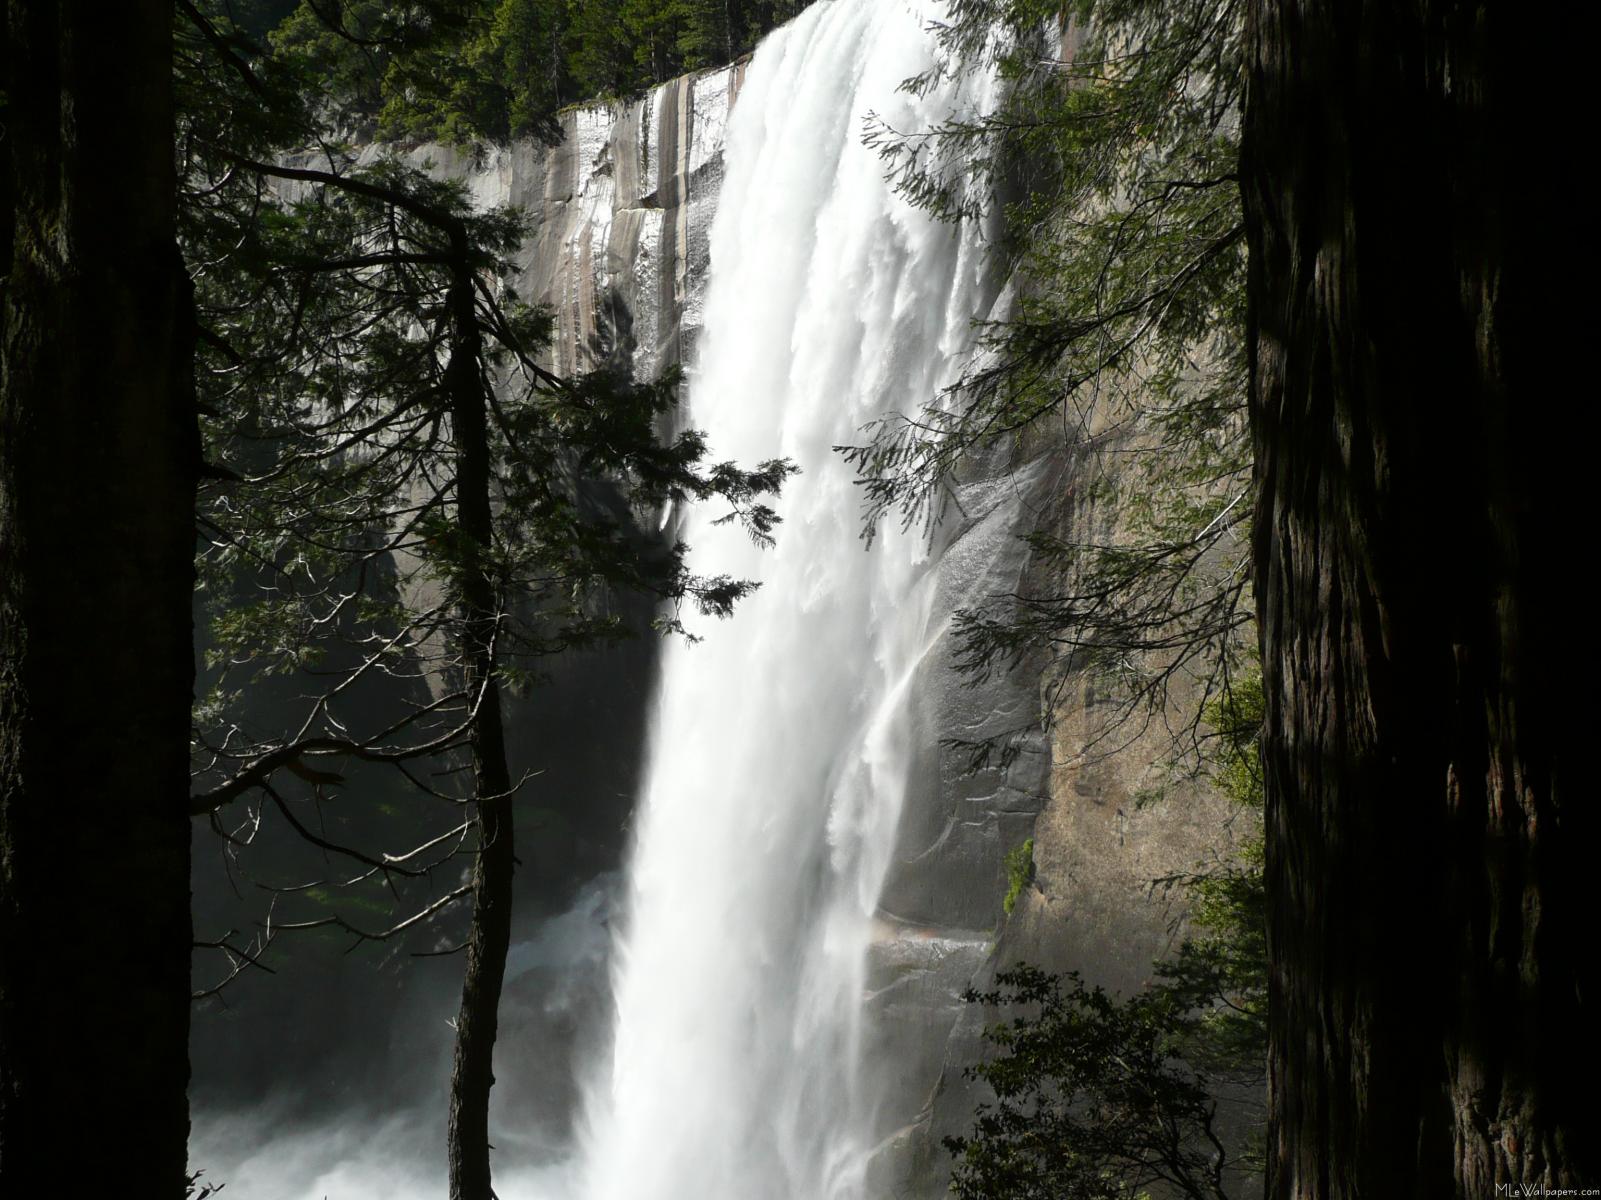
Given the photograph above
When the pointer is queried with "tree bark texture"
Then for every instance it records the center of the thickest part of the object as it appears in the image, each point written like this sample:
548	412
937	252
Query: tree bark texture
1430	915
473	1075
98	456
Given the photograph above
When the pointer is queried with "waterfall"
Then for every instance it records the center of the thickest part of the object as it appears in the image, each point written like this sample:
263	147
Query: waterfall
781	742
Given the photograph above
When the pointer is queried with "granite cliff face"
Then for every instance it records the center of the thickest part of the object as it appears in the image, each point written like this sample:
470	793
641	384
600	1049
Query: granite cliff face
621	211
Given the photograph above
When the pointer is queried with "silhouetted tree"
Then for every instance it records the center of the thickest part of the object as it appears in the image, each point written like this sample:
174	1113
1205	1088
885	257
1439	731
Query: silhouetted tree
1430	906
402	485
98	458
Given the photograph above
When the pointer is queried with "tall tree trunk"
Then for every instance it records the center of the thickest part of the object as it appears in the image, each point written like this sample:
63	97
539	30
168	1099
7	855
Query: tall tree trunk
98	456
473	1075
1429	906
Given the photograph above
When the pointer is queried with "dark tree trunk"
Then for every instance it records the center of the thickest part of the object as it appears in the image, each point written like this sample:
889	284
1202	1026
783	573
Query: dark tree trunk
1429	908
473	1074
98	454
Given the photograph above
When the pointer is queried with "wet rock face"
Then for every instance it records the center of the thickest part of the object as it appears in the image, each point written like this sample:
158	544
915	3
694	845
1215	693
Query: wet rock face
958	823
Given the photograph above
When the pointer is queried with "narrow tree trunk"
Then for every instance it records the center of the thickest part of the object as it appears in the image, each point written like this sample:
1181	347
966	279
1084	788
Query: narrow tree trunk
1429	904
490	937
98	455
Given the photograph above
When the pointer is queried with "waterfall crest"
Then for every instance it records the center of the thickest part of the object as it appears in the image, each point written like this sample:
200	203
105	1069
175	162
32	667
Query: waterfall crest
780	742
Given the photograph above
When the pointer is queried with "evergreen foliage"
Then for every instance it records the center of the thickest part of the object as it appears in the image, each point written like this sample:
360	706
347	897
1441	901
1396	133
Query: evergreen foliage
324	371
339	311
1113	157
1117	141
462	70
403	508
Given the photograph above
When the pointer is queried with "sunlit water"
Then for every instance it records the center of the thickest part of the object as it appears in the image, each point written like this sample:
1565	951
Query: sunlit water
781	744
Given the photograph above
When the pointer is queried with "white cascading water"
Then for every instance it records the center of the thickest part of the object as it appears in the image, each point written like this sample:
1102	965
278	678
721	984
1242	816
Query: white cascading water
781	743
